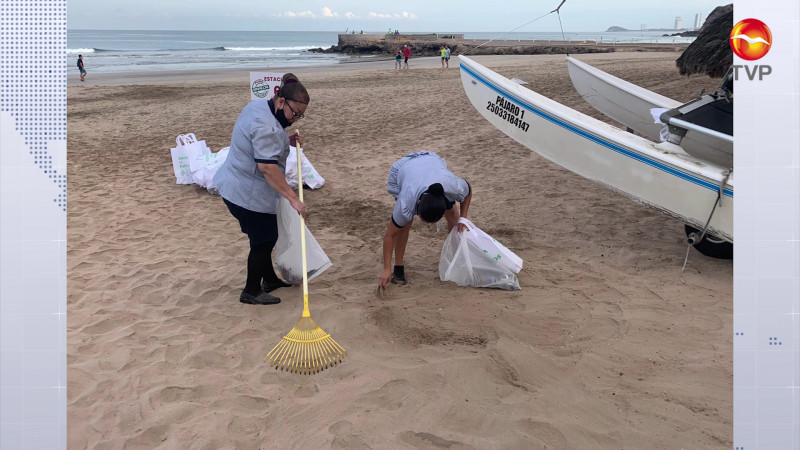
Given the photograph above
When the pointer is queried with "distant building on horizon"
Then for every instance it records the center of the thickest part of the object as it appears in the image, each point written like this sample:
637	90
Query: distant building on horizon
643	27
698	21
678	23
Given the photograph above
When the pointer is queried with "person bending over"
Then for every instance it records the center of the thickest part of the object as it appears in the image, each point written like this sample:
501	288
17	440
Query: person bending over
422	186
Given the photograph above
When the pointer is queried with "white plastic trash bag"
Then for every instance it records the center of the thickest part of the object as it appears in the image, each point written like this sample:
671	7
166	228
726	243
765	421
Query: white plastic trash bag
311	177
198	156
473	258
491	247
211	163
288	256
180	163
184	155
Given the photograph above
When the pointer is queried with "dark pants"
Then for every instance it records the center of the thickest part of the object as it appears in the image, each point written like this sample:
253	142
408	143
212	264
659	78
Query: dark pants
262	230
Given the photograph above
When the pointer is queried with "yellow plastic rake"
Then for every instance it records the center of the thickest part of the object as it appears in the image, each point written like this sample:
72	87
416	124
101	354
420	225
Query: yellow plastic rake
306	349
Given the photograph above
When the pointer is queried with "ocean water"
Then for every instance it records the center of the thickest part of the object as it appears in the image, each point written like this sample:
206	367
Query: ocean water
124	51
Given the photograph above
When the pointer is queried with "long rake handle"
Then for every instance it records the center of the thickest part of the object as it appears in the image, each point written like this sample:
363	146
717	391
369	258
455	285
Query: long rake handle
306	312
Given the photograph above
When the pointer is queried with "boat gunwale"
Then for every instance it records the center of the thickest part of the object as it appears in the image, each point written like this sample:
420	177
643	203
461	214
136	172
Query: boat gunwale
633	89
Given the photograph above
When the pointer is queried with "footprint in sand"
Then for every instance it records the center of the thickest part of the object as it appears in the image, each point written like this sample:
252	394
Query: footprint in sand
430	441
343	438
306	390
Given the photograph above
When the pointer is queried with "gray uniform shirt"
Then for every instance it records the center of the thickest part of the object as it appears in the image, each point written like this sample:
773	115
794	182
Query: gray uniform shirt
257	138
412	175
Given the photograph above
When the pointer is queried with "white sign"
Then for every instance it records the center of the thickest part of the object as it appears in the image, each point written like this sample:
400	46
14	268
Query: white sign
264	84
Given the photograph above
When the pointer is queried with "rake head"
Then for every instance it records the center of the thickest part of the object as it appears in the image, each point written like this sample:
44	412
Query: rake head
306	350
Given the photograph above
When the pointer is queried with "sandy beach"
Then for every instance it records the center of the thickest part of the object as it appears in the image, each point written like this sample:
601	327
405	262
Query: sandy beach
606	345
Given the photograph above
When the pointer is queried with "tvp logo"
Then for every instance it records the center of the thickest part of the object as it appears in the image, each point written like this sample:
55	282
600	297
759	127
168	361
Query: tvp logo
750	40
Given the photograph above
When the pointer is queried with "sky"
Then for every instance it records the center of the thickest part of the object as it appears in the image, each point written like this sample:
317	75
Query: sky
372	16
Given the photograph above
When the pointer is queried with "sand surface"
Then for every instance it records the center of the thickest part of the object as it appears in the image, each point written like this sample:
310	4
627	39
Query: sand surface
604	347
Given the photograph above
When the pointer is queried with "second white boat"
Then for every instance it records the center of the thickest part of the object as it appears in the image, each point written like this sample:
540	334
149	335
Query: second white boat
662	176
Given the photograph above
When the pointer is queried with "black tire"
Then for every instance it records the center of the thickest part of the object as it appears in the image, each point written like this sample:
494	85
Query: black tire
711	246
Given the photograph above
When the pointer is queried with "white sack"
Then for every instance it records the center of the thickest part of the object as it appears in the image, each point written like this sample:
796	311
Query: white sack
288	249
180	162
473	258
212	163
185	156
311	177
497	251
198	152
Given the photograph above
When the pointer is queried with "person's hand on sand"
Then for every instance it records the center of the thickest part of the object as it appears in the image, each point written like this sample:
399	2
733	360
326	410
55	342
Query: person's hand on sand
300	207
295	139
386	275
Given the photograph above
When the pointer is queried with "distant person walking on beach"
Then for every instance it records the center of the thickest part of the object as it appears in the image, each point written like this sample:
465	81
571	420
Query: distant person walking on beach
421	185
442	52
398	59
81	68
251	181
447	55
406	54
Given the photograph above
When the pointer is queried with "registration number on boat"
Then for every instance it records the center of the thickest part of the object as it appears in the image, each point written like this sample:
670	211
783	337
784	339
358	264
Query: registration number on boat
509	112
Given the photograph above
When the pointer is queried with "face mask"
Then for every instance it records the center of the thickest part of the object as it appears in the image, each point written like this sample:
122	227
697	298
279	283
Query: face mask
282	119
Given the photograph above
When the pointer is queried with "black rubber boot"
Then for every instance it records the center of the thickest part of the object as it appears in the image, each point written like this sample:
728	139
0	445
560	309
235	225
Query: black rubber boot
399	275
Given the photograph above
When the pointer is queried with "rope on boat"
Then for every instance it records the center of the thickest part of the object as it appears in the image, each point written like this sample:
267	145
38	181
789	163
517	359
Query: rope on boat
717	203
563	38
534	20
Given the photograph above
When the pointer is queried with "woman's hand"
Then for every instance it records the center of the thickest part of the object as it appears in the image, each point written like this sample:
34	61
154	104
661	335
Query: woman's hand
461	227
295	139
300	207
386	275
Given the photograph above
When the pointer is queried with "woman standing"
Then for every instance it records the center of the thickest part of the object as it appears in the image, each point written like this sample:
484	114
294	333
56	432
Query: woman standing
421	185
251	181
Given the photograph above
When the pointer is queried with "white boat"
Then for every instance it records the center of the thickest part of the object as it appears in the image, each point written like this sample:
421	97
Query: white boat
660	175
620	100
631	105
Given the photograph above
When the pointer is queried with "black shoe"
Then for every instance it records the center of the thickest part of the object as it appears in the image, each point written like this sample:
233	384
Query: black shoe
261	299
269	287
399	275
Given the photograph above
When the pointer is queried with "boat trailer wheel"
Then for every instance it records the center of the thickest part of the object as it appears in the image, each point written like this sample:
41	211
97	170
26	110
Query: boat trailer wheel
710	245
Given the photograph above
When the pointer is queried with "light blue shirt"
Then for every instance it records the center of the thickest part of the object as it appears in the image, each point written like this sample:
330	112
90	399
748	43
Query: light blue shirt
412	175
257	138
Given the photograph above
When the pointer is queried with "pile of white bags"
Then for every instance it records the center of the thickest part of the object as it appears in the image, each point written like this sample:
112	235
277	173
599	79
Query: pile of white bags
311	177
194	163
288	256
473	258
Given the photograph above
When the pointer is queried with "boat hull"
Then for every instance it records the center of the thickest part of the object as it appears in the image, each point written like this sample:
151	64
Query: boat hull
630	105
661	176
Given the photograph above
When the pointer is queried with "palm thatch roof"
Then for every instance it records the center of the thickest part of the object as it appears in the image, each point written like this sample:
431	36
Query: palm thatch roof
710	53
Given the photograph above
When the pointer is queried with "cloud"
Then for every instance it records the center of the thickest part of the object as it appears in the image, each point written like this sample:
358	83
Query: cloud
326	12
350	15
292	14
403	15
